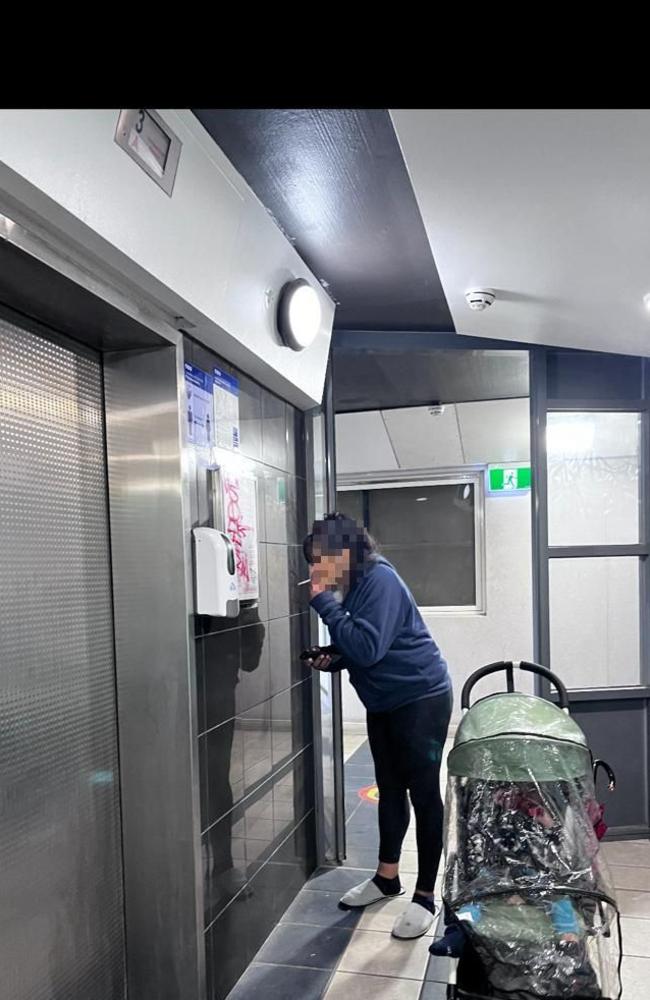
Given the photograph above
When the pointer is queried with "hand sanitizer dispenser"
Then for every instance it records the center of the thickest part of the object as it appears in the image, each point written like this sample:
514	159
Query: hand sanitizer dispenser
217	594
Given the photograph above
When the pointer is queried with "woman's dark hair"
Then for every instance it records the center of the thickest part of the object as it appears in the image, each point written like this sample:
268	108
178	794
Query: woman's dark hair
336	532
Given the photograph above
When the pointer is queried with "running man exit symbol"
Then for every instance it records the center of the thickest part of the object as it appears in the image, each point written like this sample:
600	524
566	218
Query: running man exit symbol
502	479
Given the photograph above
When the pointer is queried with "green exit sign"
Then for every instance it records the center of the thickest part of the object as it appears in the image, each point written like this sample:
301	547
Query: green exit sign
509	479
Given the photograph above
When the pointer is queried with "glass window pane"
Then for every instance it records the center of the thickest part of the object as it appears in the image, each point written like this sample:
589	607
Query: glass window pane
595	621
437	579
428	533
593	478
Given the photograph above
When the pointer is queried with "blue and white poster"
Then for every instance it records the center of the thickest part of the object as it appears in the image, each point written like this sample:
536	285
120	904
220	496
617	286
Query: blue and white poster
226	410
200	417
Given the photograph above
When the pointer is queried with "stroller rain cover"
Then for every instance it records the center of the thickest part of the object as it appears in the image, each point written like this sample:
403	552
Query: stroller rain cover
524	876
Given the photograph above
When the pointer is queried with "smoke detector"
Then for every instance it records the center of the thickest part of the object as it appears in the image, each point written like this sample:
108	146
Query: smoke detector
479	298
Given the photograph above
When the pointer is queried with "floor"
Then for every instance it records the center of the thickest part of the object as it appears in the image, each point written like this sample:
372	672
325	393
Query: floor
318	951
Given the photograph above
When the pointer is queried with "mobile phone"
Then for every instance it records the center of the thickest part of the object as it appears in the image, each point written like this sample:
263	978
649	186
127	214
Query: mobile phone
316	651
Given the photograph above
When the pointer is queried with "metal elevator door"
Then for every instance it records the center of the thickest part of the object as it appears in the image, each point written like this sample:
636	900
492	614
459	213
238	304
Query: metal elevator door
61	906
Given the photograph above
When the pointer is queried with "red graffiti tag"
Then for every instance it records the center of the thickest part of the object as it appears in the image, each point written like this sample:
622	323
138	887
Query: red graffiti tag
236	529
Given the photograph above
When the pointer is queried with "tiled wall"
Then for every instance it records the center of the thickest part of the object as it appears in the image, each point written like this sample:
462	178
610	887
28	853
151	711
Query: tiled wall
255	703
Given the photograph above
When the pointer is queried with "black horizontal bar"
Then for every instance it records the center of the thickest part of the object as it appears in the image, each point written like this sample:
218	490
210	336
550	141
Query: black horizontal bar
640	550
597	405
608	694
414	340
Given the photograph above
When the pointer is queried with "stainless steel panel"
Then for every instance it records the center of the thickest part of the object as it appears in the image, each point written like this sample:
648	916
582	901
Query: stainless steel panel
61	910
156	683
40	278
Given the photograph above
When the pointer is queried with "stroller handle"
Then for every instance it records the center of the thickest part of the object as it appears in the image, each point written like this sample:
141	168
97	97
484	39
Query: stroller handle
509	667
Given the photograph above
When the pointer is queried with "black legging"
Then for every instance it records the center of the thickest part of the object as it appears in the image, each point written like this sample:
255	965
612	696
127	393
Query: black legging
407	747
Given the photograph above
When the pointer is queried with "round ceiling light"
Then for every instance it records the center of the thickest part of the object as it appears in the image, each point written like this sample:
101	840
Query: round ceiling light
299	314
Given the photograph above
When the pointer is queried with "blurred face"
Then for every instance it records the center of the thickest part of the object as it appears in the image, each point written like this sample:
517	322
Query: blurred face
331	568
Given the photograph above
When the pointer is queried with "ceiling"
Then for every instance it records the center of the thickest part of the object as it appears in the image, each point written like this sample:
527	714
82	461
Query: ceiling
399	213
336	184
550	208
484	433
583	448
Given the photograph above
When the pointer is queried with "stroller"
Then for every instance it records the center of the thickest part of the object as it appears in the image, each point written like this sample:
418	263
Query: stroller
524	877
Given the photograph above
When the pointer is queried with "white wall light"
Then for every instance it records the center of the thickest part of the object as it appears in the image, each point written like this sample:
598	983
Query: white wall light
299	314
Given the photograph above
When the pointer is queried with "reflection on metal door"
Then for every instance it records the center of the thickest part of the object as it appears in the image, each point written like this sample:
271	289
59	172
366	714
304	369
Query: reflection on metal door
590	446
61	910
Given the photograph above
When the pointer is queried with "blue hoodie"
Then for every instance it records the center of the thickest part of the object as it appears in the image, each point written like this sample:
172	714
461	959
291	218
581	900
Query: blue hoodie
383	641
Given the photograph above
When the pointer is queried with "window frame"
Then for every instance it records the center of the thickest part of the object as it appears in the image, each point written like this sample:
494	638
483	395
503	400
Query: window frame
475	476
639	549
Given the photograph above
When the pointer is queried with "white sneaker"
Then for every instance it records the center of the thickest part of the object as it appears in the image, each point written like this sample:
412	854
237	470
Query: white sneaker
413	922
365	894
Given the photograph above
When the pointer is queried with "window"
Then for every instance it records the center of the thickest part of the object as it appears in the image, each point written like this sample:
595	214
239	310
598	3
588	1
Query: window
431	531
596	533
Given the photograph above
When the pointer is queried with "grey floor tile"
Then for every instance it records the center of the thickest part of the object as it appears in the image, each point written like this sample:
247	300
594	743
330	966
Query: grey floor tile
362	824
382	916
408	862
356	772
633	904
437	969
636	975
280	982
362	840
351	986
359	858
374	953
338	879
361	756
628	852
320	909
434	991
630	877
305	945
636	937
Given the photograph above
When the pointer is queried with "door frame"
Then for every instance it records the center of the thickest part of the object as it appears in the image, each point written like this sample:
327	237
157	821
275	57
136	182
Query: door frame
142	359
591	700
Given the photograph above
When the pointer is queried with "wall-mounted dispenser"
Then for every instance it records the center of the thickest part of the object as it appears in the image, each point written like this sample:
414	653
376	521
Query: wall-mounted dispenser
216	593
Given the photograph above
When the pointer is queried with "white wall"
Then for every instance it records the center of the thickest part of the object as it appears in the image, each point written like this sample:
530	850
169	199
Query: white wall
210	253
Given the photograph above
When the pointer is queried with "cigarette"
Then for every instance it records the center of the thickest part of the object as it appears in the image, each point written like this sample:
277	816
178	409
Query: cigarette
303	582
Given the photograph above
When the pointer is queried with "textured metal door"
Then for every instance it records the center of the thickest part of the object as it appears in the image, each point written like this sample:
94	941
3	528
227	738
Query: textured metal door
61	908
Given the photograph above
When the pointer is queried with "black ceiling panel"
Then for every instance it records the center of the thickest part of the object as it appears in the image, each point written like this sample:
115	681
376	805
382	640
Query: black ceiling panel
336	183
381	378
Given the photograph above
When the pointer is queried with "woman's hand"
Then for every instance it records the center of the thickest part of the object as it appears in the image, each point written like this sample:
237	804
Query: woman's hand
323	577
321	662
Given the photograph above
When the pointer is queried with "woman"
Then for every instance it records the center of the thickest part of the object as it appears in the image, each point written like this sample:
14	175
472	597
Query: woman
403	682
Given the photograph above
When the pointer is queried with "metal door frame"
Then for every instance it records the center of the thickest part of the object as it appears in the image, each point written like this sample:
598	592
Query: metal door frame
543	553
337	694
330	771
150	542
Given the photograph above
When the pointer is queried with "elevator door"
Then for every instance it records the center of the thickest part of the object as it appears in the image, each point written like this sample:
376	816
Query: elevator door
61	911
